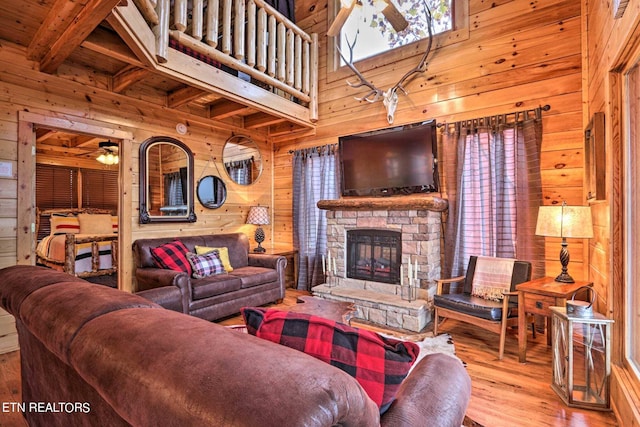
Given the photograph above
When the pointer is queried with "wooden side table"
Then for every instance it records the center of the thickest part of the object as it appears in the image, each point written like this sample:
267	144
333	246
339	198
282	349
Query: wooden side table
535	297
291	254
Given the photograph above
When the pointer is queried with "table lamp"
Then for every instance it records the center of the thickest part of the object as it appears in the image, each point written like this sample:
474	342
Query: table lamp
564	221
258	215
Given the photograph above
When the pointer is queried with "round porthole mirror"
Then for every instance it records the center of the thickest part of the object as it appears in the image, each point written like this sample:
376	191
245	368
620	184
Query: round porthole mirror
212	192
242	159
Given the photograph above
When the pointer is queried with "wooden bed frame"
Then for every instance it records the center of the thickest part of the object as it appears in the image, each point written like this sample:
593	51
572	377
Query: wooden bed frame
71	240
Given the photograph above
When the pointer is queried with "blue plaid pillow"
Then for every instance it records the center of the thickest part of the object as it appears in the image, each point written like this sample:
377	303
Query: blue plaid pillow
205	265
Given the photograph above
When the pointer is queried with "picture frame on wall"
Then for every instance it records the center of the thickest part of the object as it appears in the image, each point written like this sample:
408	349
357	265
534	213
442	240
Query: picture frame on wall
594	154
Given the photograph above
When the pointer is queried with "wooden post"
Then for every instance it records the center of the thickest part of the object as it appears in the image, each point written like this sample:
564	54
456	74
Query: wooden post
212	23
282	51
179	15
306	68
271	49
297	83
289	54
197	19
226	26
161	31
70	254
313	104
262	40
251	33
239	31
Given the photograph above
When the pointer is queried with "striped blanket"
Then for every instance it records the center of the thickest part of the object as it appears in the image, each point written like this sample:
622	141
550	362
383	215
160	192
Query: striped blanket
52	248
492	277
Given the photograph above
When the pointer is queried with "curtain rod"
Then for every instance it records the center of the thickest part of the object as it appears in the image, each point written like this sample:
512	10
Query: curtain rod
546	107
318	147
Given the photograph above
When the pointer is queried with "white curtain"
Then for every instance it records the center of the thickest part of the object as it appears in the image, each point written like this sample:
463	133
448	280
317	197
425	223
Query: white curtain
314	179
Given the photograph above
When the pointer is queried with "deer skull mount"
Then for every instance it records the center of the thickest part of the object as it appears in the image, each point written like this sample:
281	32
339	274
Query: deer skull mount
390	96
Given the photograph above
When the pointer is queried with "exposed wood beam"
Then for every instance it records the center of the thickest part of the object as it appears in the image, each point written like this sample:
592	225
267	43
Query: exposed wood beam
111	45
127	76
261	119
55	23
284	129
223	109
82	24
48	133
184	95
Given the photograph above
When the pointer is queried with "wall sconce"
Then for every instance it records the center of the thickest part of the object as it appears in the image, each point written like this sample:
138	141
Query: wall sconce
564	221
258	215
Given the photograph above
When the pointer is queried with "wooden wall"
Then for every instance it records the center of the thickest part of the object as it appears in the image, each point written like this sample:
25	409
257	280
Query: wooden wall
610	45
519	54
24	89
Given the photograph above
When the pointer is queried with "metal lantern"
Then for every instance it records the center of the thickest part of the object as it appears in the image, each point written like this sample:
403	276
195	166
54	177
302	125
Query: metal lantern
581	359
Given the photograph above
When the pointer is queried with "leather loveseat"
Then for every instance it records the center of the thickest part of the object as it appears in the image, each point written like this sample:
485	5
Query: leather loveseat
256	279
96	356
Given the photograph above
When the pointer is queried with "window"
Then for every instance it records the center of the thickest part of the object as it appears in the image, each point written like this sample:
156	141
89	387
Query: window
366	23
632	218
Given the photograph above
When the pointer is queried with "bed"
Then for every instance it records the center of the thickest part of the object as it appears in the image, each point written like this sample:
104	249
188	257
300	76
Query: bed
80	242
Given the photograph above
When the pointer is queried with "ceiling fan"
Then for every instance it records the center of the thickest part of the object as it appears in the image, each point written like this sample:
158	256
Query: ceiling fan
389	10
108	153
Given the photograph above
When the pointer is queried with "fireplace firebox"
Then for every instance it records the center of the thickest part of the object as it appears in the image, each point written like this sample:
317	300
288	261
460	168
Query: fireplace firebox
374	255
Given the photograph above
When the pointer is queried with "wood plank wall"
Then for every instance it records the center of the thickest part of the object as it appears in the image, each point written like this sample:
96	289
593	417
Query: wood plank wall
611	44
518	55
23	88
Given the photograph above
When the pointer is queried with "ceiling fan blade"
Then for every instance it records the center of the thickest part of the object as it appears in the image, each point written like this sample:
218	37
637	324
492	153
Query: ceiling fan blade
340	19
394	17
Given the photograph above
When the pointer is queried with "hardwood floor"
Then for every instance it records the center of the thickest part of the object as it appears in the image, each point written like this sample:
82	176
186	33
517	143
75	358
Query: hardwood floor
505	393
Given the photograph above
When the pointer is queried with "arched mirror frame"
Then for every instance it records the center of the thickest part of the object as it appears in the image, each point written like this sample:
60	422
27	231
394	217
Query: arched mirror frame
213	178
243	140
145	217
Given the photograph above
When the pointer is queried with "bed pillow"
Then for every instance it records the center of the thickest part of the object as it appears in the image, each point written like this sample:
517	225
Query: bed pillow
64	225
205	265
172	256
379	364
114	224
95	224
223	253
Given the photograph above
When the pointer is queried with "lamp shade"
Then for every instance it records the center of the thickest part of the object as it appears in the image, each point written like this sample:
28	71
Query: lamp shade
565	221
258	215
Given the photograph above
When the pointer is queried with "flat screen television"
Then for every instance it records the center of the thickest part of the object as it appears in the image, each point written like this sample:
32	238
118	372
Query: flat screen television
398	160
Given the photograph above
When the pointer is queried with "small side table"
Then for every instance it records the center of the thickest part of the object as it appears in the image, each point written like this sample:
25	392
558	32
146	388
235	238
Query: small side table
536	297
291	254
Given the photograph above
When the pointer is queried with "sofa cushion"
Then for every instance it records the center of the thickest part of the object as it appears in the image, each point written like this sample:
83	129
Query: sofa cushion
172	256
223	253
379	364
214	285
255	276
205	265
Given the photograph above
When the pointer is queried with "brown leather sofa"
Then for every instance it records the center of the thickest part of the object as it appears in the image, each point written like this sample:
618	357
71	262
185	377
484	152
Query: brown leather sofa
96	356
255	279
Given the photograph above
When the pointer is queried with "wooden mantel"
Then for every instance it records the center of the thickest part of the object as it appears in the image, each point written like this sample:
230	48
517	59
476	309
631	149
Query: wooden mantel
392	203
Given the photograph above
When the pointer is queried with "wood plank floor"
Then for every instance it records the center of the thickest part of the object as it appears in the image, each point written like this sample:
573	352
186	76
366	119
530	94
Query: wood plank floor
505	393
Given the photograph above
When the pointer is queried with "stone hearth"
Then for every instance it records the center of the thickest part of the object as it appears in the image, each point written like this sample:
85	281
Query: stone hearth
418	219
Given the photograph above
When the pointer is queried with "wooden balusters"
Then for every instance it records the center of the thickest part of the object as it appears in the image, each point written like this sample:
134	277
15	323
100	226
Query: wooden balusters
212	23
251	33
226	26
262	40
197	19
271	48
238	30
161	31
179	15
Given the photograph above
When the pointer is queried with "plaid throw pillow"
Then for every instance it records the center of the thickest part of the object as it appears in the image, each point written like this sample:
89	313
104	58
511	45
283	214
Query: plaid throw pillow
172	256
205	265
379	364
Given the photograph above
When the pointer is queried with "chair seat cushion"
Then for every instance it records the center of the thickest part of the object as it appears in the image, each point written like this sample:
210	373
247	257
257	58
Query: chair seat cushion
474	306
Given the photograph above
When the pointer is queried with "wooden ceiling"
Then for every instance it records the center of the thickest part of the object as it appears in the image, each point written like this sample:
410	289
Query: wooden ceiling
73	39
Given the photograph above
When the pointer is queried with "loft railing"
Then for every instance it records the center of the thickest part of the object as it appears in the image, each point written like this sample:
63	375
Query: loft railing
248	36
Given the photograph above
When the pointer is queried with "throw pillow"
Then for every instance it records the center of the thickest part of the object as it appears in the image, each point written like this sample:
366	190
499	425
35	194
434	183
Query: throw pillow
378	363
64	224
223	253
205	265
172	256
95	224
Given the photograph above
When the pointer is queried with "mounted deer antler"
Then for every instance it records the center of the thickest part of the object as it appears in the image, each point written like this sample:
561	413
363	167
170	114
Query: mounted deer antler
390	96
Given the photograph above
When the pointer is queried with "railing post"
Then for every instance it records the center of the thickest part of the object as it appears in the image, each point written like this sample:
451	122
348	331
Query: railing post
313	104
251	33
262	39
161	30
271	69
180	15
281	47
197	19
226	26
212	23
238	31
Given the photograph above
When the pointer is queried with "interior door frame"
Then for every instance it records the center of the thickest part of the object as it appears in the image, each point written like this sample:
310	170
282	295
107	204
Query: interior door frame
26	212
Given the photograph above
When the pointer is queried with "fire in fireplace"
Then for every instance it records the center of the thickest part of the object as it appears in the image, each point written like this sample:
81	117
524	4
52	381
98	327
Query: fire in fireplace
374	255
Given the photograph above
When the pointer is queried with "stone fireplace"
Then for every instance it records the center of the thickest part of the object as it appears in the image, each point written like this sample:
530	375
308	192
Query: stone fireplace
370	238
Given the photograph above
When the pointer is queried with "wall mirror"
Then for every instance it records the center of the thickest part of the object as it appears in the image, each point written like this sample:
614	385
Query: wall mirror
166	181
211	192
242	159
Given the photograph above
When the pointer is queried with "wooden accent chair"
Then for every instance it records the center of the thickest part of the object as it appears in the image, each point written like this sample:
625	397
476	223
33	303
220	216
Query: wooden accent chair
481	301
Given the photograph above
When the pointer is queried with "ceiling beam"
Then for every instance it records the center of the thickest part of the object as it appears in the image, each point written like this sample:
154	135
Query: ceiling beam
223	109
184	95
60	45
128	76
261	119
110	44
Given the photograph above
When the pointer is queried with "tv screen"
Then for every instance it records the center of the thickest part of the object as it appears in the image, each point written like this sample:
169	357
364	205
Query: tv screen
399	160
